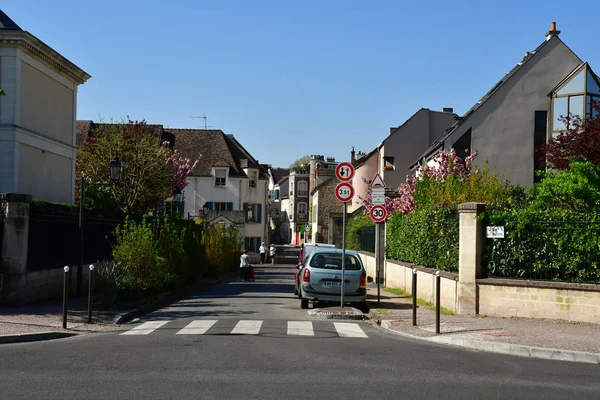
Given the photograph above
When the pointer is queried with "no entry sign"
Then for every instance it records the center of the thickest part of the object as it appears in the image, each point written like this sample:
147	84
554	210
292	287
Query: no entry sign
378	213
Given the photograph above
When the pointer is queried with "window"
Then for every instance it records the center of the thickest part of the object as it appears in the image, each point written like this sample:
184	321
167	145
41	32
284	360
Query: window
539	139
573	99
462	146
253	212
388	163
276	194
252	244
291	189
334	261
302	211
220	206
592	112
220	177
302	189
253	175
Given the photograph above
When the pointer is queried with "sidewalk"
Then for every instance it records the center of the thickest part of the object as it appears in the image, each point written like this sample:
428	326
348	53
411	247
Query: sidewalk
550	339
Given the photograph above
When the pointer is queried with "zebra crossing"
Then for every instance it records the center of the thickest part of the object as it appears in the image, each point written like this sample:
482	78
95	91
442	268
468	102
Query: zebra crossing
249	327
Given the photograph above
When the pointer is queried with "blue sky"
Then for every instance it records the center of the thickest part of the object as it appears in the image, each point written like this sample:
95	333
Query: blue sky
290	78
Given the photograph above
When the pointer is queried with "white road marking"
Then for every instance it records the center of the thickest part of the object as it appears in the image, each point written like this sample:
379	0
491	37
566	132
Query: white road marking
247	327
145	328
300	328
198	327
346	329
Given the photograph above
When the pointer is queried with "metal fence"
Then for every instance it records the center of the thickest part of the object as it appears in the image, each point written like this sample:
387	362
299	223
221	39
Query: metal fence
367	238
549	251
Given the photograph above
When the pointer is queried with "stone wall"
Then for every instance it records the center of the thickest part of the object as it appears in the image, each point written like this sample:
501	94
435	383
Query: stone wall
328	204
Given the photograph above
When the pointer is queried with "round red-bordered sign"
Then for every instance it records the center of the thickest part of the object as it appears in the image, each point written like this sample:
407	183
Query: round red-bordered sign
344	192
378	213
344	171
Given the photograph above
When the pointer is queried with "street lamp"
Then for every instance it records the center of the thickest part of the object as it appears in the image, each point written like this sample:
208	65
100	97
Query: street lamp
205	209
116	170
176	198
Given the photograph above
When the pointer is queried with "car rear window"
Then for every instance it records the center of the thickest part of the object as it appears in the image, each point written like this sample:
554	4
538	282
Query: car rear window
309	249
334	261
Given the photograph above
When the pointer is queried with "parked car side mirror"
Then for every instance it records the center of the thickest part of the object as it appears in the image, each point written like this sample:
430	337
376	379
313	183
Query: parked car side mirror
299	266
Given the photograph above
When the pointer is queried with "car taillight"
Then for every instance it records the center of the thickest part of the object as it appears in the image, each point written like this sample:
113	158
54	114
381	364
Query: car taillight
363	279
306	275
300	258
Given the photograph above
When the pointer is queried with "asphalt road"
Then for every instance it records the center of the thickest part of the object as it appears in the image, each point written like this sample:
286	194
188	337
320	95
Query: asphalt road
242	346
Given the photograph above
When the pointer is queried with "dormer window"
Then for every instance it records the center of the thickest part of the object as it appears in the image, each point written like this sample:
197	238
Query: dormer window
573	98
253	175
220	175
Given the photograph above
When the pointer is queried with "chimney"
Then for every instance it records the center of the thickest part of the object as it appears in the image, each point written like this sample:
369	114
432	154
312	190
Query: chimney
552	31
352	155
448	109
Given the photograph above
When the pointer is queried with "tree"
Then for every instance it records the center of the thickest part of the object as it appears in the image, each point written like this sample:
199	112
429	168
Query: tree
302	160
581	140
152	172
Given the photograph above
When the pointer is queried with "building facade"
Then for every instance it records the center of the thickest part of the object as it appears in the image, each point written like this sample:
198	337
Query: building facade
37	116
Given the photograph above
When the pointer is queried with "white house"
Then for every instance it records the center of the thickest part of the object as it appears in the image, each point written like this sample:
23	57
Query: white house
37	116
228	181
279	224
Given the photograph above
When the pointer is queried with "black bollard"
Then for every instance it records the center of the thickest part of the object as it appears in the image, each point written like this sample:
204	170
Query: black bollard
65	297
414	294
90	293
438	279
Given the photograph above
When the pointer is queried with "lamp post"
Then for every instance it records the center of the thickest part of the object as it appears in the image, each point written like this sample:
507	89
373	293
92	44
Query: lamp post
116	170
177	197
205	210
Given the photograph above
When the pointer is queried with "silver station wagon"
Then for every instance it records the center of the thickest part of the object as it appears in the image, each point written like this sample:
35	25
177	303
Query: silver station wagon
321	279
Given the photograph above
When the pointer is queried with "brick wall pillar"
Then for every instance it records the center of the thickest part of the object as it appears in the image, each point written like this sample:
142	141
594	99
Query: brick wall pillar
470	258
14	236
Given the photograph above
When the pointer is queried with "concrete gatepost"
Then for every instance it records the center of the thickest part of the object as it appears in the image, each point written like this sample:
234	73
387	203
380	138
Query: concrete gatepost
470	257
14	236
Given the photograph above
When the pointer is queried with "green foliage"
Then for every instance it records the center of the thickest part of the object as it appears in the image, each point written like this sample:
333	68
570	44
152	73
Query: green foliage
49	207
171	248
427	237
482	187
575	188
2	93
547	244
302	160
223	249
353	227
137	250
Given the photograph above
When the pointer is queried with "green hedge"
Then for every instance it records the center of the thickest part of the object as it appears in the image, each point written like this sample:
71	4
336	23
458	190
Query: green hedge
353	227
425	237
49	207
555	245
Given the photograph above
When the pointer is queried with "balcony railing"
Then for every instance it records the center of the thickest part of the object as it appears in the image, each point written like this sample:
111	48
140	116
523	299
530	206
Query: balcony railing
302	193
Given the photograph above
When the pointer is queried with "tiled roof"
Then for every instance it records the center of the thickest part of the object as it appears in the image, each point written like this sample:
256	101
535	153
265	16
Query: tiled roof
7	23
279	174
208	146
243	158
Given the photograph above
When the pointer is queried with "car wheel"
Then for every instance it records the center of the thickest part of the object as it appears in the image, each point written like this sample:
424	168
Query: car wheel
304	304
364	307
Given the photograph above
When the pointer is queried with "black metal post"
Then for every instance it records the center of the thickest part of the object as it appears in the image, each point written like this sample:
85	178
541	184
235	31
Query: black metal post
438	279
414	296
65	296
80	266
90	293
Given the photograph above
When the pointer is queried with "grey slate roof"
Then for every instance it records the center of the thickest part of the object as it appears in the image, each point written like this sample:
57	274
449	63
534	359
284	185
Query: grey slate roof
279	174
7	23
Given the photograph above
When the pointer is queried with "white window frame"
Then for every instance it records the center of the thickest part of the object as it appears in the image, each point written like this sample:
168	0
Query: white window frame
302	193
305	213
253	179
215	171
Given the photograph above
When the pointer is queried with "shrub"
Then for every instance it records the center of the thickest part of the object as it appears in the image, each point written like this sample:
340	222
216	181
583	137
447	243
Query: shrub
425	237
137	250
223	249
170	247
353	228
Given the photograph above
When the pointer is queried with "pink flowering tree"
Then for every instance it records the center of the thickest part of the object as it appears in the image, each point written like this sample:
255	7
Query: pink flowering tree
181	167
445	167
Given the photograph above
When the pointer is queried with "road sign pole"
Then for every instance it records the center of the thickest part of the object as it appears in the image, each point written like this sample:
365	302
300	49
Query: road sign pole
377	262
343	253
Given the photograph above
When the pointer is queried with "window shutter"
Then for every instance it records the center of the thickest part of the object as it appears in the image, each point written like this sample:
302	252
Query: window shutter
246	243
210	205
229	206
246	212
258	240
259	213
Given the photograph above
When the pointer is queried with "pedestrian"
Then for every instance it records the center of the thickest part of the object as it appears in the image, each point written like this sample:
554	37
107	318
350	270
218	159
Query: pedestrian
244	264
263	253
272	254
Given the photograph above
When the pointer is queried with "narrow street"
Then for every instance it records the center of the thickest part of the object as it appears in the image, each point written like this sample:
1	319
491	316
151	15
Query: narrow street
252	341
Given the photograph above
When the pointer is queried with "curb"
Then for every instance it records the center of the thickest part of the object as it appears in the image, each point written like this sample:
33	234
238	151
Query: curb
34	337
324	314
505	348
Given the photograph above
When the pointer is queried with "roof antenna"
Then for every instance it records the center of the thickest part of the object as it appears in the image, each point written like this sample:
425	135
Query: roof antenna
205	121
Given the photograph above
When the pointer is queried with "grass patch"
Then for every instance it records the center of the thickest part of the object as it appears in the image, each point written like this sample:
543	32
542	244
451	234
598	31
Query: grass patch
482	315
421	302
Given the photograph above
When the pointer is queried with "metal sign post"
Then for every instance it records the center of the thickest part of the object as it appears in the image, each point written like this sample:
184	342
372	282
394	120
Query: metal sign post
344	192
343	253
377	262
378	215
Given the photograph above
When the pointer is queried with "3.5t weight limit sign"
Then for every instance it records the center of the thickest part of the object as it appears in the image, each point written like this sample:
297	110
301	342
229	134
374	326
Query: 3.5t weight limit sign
378	213
344	192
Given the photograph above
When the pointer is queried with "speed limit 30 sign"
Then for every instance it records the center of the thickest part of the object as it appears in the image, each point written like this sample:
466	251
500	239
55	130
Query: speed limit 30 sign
344	192
378	213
